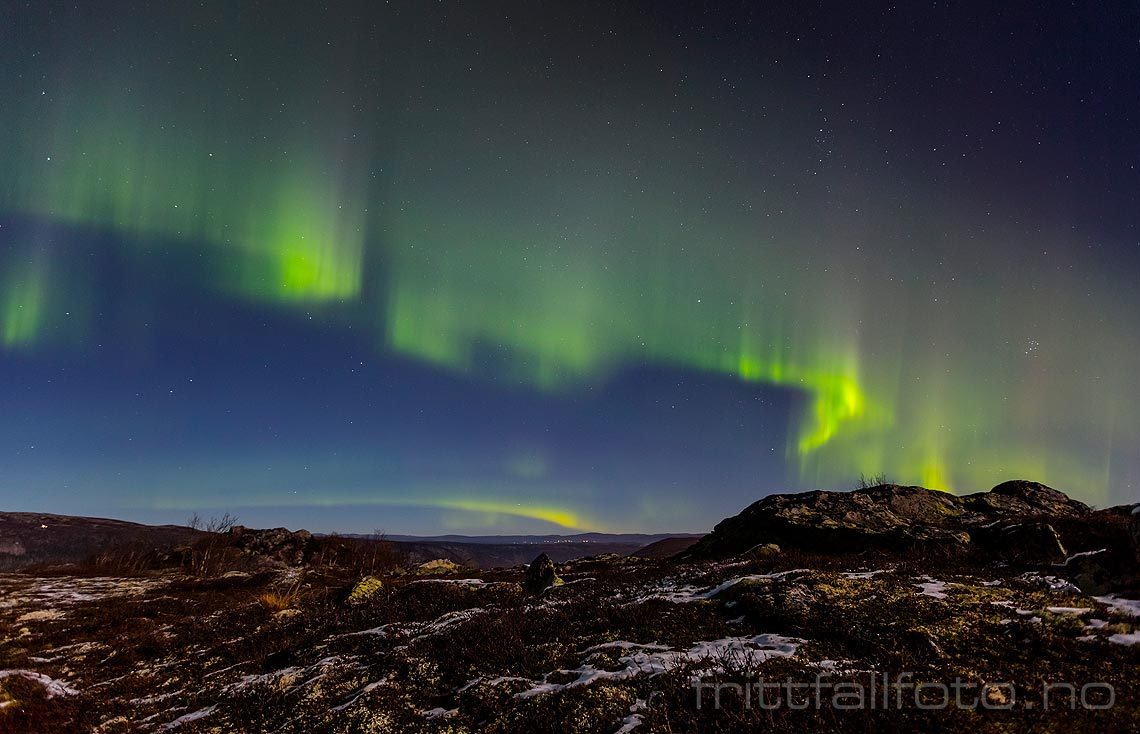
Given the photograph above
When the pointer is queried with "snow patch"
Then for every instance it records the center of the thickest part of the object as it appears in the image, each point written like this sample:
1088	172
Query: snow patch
1120	605
710	655
188	718
1125	639
931	587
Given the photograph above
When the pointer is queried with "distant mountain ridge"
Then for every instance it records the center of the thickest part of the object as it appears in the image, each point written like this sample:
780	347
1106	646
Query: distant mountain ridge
637	538
37	539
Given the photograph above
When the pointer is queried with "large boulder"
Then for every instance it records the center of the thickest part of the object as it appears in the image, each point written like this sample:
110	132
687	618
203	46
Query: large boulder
895	518
541	575
1135	527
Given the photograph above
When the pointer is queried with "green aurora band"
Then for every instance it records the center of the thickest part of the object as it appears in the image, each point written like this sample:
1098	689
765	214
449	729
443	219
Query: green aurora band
921	347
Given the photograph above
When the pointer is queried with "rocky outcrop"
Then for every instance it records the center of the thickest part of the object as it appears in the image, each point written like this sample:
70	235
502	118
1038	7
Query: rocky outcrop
276	546
1010	519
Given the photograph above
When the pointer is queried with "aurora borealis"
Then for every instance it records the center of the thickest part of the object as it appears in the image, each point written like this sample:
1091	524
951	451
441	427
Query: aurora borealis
502	267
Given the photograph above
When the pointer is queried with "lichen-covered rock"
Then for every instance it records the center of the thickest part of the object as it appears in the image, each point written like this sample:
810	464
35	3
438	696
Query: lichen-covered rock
365	590
438	566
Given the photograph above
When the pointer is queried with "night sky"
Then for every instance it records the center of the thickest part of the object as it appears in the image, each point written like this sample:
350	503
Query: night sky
517	267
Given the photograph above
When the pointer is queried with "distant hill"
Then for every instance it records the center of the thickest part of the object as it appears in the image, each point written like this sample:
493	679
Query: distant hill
36	539
637	539
667	547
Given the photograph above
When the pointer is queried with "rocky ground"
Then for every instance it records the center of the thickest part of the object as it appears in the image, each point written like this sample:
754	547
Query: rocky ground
946	636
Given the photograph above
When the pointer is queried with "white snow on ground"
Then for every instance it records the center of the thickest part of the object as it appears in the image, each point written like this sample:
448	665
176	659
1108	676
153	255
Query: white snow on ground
1077	611
438	713
52	687
448	620
1120	605
669	591
199	714
931	587
365	689
1049	582
1083	554
1131	638
711	655
753	577
864	575
66	591
625	645
634	719
461	582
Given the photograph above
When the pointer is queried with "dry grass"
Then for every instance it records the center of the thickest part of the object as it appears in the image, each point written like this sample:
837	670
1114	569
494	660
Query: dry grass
277	601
